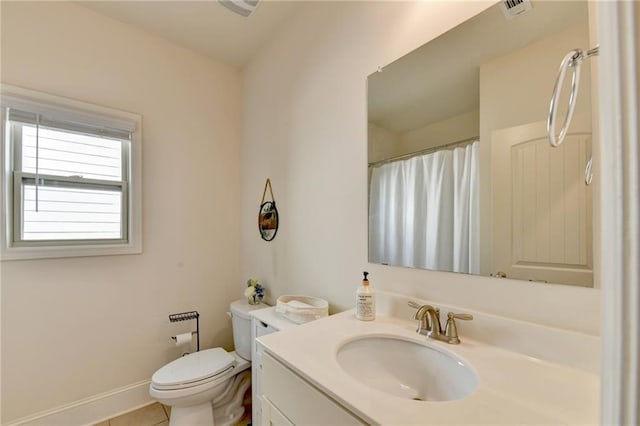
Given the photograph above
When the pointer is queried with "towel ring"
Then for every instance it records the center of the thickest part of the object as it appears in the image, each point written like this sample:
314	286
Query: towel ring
573	60
588	173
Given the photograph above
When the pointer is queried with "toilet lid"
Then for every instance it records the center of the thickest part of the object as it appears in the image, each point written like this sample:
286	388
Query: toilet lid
194	367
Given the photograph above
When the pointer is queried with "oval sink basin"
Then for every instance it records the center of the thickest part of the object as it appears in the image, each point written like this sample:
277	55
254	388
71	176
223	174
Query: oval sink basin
407	369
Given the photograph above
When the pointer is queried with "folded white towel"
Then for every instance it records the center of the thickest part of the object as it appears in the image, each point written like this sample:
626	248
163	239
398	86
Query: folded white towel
298	304
301	309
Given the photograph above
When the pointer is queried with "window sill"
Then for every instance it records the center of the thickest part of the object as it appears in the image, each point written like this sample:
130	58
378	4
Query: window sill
32	253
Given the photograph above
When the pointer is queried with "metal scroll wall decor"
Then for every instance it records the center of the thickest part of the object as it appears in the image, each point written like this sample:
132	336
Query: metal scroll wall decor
268	215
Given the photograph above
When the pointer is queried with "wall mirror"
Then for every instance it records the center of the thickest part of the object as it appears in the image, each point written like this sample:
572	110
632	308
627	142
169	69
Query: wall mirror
461	176
268	218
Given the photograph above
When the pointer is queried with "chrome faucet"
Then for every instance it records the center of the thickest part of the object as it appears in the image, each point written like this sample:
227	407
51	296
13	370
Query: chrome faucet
429	325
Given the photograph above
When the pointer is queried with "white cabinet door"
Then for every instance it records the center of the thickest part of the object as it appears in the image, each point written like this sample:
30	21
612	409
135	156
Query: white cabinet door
542	209
271	416
298	401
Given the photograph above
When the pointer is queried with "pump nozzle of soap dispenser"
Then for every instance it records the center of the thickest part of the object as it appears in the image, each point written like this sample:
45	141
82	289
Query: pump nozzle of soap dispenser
365	281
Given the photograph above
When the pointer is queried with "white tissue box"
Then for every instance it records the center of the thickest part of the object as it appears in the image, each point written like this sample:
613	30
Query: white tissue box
301	309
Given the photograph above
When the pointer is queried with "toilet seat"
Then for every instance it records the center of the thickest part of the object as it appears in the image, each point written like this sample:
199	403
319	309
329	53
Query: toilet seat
194	370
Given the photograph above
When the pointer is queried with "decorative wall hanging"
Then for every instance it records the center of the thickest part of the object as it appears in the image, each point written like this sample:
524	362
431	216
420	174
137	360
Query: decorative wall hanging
268	215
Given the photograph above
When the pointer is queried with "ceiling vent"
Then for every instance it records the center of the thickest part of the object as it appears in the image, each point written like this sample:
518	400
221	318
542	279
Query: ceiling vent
513	8
241	7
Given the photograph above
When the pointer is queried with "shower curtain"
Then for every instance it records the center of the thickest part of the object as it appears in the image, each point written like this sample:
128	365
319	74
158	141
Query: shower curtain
424	211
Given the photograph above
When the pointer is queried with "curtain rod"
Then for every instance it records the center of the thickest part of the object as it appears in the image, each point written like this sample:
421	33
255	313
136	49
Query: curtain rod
424	151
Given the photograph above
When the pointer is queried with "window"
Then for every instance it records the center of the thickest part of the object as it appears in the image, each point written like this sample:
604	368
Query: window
71	178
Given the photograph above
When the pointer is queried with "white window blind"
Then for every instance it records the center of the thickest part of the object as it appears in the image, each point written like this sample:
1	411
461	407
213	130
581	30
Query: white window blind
71	214
63	153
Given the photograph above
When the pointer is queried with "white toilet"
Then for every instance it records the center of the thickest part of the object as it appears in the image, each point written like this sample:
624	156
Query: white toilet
208	387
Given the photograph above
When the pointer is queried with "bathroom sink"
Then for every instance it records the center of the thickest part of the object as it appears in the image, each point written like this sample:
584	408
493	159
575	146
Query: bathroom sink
407	369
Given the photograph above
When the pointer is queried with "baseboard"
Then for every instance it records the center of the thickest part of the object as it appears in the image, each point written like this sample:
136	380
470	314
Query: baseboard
92	410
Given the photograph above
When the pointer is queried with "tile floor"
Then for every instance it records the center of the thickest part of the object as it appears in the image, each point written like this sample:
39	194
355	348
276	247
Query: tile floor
155	414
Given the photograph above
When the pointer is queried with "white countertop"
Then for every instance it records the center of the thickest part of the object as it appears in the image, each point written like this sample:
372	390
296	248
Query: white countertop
513	388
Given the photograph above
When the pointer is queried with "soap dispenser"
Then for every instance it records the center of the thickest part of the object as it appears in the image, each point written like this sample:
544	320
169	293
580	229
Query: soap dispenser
365	301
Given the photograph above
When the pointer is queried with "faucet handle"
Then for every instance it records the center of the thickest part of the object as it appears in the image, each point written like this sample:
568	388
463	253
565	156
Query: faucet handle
451	330
466	317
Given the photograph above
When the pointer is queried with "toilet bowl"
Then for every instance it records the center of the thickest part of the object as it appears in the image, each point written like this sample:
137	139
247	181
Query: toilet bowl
207	387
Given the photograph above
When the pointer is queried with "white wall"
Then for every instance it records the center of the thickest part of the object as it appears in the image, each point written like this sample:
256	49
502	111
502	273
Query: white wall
305	128
383	143
450	130
72	328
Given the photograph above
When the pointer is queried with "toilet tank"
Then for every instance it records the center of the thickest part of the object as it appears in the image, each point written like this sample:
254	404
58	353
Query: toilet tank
241	320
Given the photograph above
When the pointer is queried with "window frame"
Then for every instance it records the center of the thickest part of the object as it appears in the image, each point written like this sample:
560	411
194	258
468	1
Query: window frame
13	247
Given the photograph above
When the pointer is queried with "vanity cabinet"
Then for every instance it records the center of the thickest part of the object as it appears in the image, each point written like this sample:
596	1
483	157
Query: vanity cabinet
264	322
288	399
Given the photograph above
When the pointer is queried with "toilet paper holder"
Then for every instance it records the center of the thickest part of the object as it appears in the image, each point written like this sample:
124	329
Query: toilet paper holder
185	316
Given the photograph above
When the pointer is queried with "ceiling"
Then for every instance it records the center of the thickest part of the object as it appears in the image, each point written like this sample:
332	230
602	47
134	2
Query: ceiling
203	26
